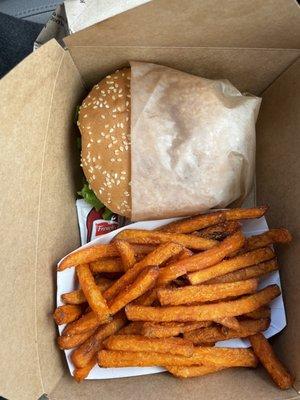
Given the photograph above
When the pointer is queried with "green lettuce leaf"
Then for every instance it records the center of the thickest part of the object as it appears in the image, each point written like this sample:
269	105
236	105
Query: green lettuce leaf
89	196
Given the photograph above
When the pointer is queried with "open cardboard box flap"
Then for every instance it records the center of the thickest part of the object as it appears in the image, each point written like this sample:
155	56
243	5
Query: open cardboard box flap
39	169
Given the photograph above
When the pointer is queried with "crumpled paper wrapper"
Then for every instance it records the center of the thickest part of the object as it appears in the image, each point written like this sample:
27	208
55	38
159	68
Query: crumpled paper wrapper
192	142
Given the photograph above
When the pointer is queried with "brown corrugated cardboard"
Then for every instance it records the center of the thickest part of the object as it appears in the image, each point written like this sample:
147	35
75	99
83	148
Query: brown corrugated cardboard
252	70
38	172
209	23
36	142
278	178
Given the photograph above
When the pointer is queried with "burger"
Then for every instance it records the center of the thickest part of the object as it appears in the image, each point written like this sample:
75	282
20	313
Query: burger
104	124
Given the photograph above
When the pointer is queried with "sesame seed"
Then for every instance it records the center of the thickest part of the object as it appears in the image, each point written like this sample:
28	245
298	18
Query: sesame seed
121	148
94	177
128	95
120	90
102	134
109	145
113	97
116	85
128	77
88	145
111	87
111	130
119	159
99	141
94	159
102	116
94	107
85	116
127	103
106	106
114	116
112	160
120	95
117	152
118	182
115	141
122	178
99	157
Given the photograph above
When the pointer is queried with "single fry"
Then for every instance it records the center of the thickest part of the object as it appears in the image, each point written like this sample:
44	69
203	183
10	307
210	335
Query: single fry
67	313
87	255
148	298
214	334
201	356
193	371
133	328
81	373
189	225
157	345
205	312
66	342
219	231
169	329
83	355
110	265
279	235
92	292
144	281
126	252
233	264
84	324
142	249
245	213
78	297
205	293
266	355
255	271
156	237
205	259
201	221
263	312
158	256
229	322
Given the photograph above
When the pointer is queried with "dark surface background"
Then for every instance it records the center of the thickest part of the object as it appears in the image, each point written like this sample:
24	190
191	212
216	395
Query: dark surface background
16	40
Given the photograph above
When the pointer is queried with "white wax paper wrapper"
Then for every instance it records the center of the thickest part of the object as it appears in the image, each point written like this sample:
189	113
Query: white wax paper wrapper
66	282
192	142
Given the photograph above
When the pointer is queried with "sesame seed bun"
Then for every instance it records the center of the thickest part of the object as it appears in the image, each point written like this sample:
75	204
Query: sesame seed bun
104	123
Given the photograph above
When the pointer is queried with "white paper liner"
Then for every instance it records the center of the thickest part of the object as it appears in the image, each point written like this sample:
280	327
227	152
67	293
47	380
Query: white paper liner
66	282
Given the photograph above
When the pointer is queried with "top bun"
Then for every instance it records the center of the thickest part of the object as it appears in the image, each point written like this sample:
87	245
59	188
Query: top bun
104	123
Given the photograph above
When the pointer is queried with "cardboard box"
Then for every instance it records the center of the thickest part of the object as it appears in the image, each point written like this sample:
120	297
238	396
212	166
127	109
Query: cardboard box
253	44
